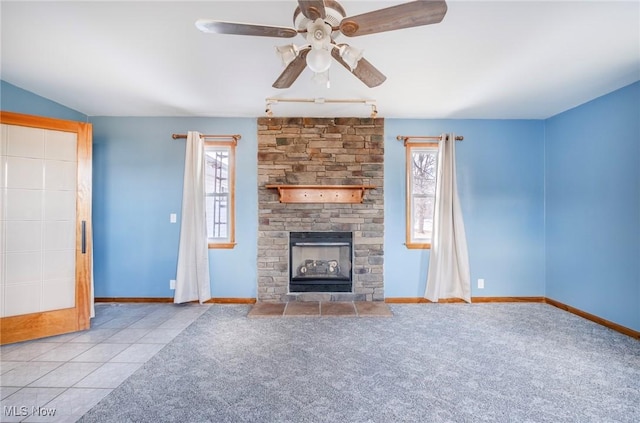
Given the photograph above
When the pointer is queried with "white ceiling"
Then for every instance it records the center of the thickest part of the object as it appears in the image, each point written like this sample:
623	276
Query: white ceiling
498	59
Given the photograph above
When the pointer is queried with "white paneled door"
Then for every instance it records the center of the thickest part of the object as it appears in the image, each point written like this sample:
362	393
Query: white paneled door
45	226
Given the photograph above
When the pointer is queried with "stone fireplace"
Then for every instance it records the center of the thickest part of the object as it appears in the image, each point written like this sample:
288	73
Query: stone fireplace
327	152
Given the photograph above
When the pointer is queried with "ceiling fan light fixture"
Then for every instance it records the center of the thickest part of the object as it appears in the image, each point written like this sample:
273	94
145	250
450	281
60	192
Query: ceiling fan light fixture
320	23
287	53
319	60
351	55
318	33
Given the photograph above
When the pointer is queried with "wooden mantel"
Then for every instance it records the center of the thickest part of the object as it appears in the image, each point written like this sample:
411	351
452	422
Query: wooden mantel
321	193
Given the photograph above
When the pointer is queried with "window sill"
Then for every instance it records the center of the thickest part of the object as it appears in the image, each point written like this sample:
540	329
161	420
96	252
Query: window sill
414	246
221	245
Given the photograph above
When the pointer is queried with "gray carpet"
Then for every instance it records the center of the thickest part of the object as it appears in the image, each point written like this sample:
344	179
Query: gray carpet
428	363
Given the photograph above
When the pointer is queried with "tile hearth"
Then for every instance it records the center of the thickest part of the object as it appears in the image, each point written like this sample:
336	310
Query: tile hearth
321	309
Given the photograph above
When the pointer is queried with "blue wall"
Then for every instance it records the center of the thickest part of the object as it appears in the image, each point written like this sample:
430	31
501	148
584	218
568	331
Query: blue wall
500	182
138	183
593	207
138	173
552	208
15	99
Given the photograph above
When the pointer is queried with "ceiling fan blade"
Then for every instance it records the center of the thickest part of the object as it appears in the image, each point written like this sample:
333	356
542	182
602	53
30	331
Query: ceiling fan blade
235	28
364	71
312	9
293	70
406	15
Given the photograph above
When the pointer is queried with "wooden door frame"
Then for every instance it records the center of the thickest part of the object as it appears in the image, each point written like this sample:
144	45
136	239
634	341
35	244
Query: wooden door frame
56	322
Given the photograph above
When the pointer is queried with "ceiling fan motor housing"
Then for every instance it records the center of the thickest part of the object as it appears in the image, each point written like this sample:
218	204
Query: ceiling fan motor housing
334	15
319	34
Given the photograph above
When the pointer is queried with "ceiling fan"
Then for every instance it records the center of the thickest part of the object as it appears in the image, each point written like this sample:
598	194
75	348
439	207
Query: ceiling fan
321	22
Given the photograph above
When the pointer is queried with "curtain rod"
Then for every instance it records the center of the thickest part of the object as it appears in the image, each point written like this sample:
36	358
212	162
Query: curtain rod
406	138
235	137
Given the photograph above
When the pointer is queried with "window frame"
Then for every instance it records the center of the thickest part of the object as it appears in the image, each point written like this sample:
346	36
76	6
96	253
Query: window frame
409	149
230	241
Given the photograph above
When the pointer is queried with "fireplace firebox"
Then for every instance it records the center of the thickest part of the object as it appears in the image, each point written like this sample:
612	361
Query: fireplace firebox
320	261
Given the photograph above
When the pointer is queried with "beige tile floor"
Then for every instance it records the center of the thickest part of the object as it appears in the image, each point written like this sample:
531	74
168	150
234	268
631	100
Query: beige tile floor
68	374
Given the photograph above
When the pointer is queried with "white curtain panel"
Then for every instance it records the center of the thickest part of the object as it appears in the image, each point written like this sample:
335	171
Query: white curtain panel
448	275
192	278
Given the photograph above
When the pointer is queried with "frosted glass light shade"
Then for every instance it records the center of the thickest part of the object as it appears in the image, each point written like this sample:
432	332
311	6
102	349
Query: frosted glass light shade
287	53
351	56
319	60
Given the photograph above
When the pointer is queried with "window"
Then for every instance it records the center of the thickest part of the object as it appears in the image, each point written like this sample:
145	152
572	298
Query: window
422	167
220	193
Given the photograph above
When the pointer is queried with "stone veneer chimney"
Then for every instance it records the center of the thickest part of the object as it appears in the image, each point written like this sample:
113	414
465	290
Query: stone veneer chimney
320	151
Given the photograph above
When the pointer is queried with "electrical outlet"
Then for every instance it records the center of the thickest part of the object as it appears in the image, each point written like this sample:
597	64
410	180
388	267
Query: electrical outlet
173	218
172	284
480	283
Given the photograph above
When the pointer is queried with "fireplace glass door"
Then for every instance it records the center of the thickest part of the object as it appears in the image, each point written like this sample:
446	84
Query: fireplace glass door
320	262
